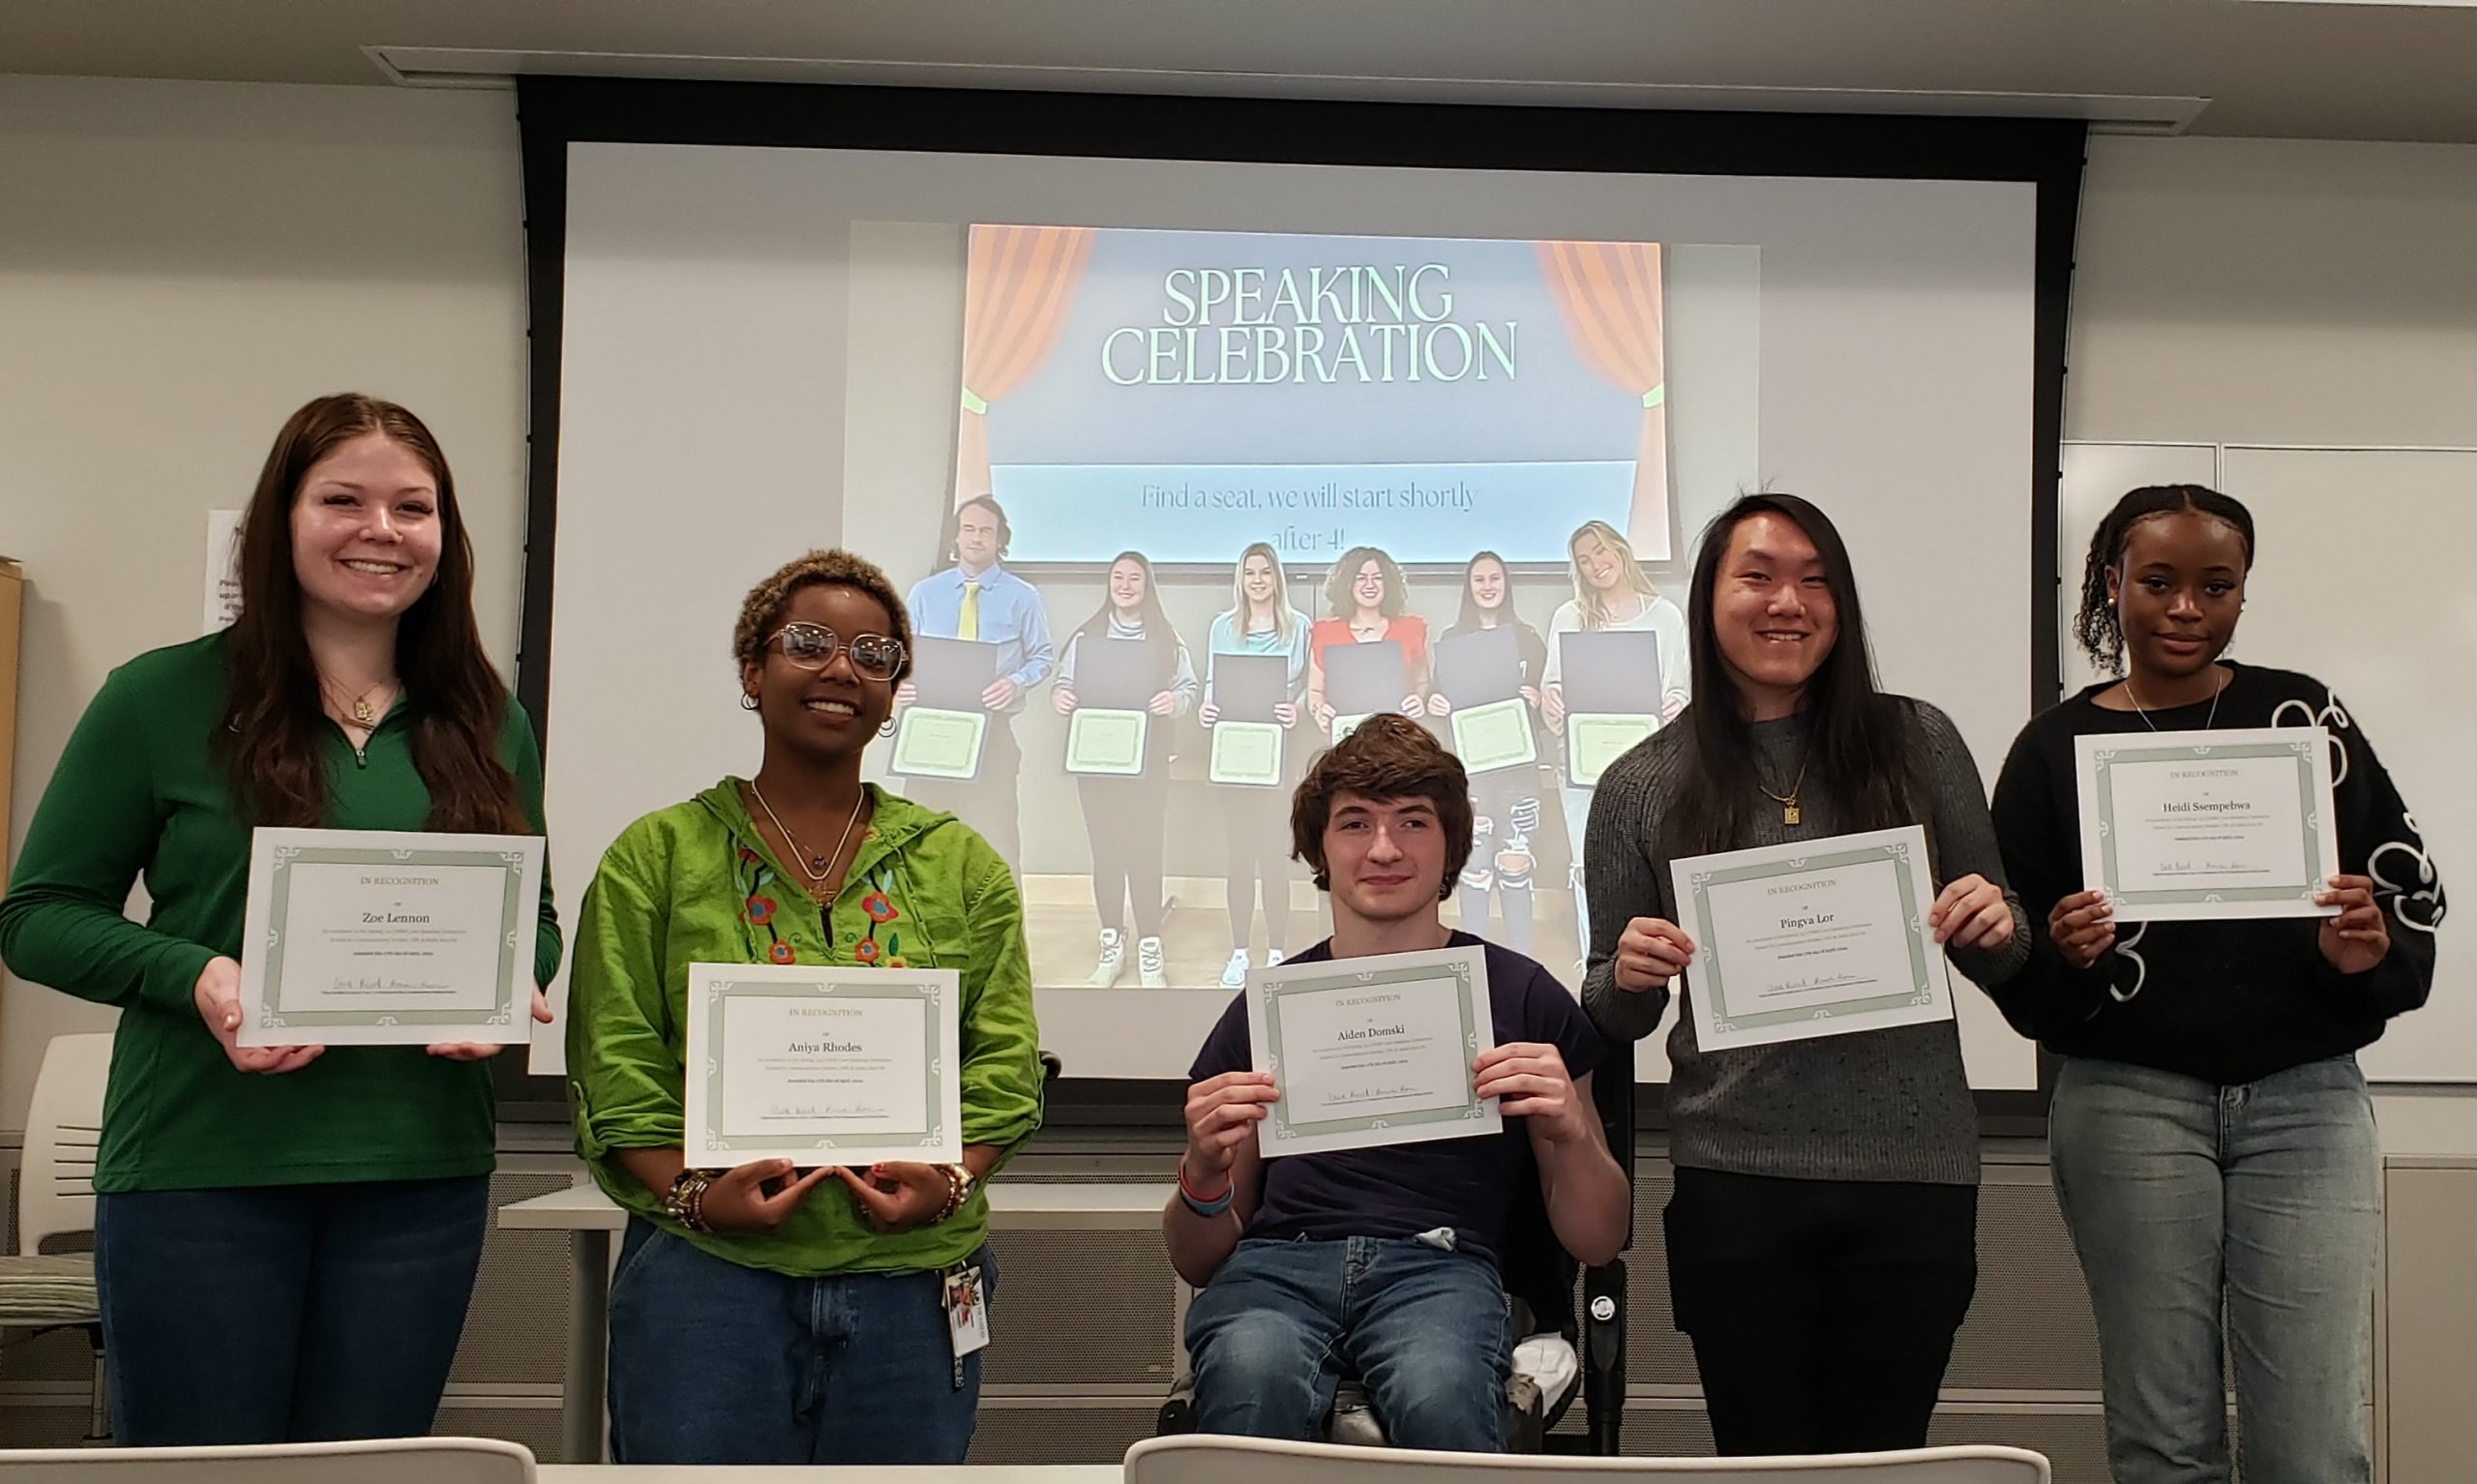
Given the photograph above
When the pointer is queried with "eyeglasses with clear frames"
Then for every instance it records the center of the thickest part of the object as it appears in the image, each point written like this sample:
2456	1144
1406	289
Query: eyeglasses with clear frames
813	646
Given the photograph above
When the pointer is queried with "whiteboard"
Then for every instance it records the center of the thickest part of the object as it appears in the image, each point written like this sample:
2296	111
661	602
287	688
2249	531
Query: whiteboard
2361	581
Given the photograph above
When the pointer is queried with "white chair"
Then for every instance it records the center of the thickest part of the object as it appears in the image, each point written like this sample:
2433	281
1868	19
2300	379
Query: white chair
380	1460
56	1198
1197	1458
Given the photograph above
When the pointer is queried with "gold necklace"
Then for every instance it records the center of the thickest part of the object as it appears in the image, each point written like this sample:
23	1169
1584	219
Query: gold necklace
1788	801
815	868
363	713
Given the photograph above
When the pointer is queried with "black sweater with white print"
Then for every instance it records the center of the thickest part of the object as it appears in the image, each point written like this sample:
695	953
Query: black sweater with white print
2224	1002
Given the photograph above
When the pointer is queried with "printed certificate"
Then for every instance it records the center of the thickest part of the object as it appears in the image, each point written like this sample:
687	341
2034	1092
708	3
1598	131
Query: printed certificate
1247	753
1819	937
1494	736
2186	824
933	743
362	937
822	1065
1103	740
1595	739
1373	1051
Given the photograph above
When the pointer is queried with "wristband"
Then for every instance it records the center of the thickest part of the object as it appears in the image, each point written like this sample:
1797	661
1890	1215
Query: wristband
1202	1205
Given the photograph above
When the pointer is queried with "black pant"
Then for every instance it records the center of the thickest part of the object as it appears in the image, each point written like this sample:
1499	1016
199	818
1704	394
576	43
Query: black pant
986	800
1255	823
1822	1312
1122	817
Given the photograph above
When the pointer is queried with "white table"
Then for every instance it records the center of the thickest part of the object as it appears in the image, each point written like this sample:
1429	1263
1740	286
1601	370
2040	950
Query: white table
591	1219
715	1473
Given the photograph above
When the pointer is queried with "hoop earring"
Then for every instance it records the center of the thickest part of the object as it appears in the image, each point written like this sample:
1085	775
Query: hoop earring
885	729
747	702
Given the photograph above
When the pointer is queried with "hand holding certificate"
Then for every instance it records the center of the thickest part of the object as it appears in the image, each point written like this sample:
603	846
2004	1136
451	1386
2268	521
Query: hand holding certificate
1372	1051
1813	938
359	937
2191	824
822	1065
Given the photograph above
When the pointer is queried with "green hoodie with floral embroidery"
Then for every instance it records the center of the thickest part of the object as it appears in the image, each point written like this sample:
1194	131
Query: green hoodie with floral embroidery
694	884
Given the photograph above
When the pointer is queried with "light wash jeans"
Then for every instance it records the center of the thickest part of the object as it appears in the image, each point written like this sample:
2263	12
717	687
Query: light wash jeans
1577	807
715	1363
1423	1328
2184	1197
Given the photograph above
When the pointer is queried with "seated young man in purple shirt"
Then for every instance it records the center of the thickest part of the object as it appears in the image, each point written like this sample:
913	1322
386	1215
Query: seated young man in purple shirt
1384	1260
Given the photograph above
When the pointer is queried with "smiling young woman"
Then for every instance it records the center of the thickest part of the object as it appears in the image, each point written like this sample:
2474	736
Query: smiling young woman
1822	1239
2212	1142
285	1238
743	1294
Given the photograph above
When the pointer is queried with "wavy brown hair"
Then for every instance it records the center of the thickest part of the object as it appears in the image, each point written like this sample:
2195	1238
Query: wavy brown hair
1387	757
274	721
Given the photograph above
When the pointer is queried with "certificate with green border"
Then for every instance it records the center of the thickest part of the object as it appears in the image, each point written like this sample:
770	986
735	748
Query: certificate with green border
1494	736
366	938
1101	739
1817	937
1247	753
2177	825
1595	739
822	1065
930	743
1371	1052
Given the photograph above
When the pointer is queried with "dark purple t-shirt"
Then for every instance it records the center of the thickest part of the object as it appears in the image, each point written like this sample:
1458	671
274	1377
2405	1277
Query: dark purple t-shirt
1403	1190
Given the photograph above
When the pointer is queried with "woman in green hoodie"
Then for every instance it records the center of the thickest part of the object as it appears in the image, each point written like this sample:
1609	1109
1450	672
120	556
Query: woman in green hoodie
759	1315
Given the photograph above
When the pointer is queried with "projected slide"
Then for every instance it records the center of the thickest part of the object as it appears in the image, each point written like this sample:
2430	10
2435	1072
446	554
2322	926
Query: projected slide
1190	393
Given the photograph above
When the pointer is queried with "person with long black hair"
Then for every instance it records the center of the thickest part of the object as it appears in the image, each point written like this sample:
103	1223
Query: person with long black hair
286	1237
2212	1142
1504	804
1822	1237
1125	817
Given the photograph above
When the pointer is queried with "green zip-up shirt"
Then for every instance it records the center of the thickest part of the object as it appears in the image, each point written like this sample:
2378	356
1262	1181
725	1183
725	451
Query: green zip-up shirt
694	884
138	793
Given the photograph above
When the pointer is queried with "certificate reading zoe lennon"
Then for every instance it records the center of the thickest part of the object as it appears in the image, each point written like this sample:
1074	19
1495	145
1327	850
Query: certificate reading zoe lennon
1372	1051
2186	824
1817	937
822	1065
362	937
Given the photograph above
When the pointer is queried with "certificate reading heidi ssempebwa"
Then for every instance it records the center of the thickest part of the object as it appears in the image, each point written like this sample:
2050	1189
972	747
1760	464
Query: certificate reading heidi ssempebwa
363	938
2186	824
1819	937
1372	1051
822	1065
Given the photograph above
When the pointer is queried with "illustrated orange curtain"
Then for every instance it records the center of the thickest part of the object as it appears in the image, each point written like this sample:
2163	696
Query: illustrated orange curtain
1608	294
1017	288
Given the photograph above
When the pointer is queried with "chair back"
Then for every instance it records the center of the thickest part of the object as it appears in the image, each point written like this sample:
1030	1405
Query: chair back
64	1123
378	1461
1199	1458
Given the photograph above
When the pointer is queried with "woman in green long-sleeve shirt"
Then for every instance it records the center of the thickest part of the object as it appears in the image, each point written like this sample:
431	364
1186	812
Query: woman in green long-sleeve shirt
285	1238
759	1315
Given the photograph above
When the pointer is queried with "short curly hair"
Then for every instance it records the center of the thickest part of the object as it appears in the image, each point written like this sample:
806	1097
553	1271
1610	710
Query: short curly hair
1389	756
763	611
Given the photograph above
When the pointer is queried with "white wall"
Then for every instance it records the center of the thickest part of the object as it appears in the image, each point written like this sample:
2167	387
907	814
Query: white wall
181	264
2255	291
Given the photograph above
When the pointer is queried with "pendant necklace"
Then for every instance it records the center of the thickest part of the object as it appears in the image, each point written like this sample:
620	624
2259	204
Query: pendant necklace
1788	801
2139	711
814	867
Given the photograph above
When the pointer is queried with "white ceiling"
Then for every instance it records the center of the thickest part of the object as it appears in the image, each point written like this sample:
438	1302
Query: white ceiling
2327	69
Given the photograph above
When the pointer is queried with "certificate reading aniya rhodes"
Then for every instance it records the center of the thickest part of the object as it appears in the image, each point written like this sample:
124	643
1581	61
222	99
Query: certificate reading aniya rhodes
822	1065
1372	1051
2186	824
362	937
1819	937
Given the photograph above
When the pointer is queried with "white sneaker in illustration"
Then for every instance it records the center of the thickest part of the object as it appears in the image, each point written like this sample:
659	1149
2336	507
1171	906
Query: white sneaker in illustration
1150	963
1112	966
1274	956
1233	974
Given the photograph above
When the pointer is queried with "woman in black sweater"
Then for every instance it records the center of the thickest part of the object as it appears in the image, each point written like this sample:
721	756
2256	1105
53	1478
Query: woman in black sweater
2213	1143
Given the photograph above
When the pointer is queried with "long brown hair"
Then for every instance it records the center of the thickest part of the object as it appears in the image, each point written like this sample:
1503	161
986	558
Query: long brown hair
274	719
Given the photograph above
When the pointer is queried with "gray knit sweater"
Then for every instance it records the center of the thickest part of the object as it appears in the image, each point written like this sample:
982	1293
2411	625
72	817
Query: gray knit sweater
1879	1105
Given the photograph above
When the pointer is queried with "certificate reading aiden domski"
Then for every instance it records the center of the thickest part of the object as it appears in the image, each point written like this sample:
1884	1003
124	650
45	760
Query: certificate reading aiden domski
822	1065
1372	1051
2185	824
1819	937
359	937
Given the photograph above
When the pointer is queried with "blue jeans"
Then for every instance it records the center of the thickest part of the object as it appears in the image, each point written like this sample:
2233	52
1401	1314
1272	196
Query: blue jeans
715	1363
1577	803
1422	1327
284	1312
2184	1196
